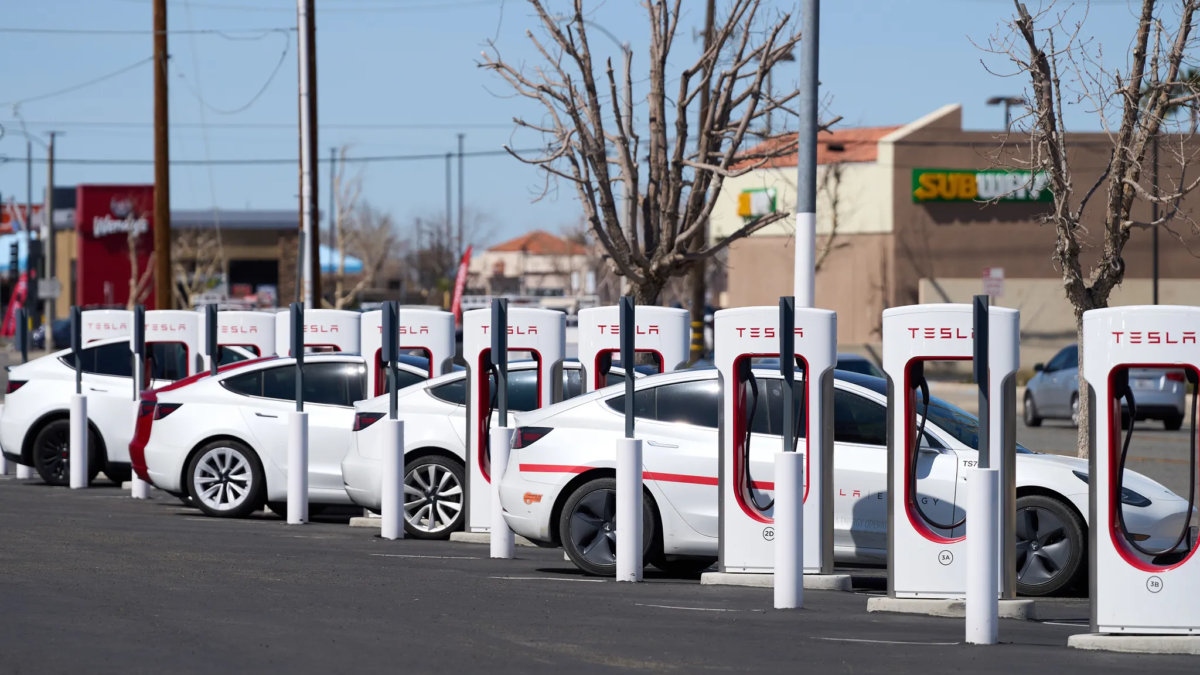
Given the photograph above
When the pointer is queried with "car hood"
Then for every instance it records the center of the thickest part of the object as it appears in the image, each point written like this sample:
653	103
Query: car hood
1133	480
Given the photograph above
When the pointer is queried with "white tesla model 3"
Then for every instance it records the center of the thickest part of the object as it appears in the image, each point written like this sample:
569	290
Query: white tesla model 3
223	440
559	487
34	426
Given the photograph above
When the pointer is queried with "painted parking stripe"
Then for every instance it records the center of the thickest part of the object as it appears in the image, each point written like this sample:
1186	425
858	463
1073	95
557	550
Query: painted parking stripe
431	557
587	581
647	475
889	642
699	609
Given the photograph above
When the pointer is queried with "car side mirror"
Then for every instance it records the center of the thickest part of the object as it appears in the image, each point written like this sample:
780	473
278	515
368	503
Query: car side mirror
1039	367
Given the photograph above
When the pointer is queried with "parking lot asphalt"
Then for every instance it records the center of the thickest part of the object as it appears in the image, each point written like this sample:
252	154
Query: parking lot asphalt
92	581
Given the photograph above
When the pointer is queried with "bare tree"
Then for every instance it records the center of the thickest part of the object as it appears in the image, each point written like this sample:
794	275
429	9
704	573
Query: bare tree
198	263
139	283
371	236
831	187
1131	104
588	143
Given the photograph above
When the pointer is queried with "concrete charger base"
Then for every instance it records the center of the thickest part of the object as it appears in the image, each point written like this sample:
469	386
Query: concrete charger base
812	582
955	608
1137	644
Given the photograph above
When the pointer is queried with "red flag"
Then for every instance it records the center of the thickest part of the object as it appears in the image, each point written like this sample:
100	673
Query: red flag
460	284
8	329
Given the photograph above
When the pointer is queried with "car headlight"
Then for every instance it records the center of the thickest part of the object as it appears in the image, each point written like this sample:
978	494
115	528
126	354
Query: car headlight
1127	496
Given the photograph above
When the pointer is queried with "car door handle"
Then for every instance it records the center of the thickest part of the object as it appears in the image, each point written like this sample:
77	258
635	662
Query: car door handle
661	445
265	415
97	389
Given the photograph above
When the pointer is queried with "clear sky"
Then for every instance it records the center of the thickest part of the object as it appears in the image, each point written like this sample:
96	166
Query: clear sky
399	77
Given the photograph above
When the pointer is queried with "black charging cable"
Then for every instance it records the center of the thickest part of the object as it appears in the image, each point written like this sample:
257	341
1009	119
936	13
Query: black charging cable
487	426
923	385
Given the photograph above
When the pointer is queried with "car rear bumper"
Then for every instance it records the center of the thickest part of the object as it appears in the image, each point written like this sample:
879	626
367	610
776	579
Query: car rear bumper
527	505
361	477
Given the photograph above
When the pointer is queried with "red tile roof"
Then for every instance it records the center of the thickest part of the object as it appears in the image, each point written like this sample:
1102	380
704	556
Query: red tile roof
840	145
540	242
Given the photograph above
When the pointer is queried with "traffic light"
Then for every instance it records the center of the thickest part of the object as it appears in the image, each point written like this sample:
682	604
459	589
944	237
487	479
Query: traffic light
14	263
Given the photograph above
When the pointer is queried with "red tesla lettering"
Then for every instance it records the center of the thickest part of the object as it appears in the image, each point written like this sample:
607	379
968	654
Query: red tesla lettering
740	331
1118	334
1189	336
914	332
1135	337
930	333
1152	337
946	335
770	332
799	332
1170	341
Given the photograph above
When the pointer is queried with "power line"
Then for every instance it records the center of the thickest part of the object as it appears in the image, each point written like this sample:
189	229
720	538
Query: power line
348	10
223	32
287	45
269	125
81	85
275	161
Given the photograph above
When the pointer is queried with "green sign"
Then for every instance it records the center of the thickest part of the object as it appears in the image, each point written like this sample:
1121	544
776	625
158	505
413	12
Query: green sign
957	185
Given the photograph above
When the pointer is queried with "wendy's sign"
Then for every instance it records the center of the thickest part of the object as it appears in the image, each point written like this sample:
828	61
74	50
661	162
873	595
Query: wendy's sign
107	217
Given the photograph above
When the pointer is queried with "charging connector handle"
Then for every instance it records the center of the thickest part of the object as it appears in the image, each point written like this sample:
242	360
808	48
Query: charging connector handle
923	385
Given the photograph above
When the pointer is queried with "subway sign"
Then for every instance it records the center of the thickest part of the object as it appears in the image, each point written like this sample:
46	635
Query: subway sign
957	185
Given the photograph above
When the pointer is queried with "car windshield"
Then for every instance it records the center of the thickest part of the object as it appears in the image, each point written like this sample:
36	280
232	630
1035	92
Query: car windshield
959	423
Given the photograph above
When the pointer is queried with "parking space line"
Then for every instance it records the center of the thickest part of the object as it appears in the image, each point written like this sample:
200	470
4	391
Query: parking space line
586	581
431	557
888	642
699	609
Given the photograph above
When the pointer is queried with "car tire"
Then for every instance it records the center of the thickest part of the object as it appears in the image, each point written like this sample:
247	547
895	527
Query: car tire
1075	409
118	476
51	450
685	566
280	509
588	527
1173	422
226	480
1051	546
434	497
1030	414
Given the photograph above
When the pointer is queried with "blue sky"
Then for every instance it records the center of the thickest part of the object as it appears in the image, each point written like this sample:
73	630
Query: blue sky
413	62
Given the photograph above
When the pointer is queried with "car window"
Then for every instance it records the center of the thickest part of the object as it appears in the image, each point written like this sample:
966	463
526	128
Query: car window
112	359
167	360
572	383
454	391
1067	358
522	390
338	384
643	403
247	384
858	420
226	356
694	403
407	378
860	366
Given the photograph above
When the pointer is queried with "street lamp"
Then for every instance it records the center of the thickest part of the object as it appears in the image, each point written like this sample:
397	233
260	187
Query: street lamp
1008	102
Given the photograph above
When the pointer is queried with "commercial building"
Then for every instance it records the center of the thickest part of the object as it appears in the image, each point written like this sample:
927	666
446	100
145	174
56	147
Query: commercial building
535	268
903	216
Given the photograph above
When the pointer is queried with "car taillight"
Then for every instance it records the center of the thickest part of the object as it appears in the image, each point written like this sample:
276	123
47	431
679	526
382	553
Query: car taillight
164	409
527	436
14	385
1175	376
146	409
363	420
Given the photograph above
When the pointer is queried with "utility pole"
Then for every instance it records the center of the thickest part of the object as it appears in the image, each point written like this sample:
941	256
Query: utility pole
449	199
1154	216
806	158
699	287
334	203
629	190
310	263
29	261
164	295
460	194
48	247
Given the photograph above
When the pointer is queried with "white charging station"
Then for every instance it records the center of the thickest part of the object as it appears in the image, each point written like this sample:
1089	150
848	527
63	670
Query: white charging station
747	530
174	326
1136	588
926	528
325	330
252	331
430	332
661	331
539	332
101	324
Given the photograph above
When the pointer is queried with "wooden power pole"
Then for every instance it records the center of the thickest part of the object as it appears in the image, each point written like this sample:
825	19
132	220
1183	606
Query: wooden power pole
164	296
306	21
699	287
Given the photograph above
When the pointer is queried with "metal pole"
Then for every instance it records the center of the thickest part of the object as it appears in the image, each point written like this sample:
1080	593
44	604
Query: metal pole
697	274
806	173
48	247
787	368
449	204
164	291
29	262
1154	216
628	332
980	364
460	194
306	33
628	192
500	356
334	203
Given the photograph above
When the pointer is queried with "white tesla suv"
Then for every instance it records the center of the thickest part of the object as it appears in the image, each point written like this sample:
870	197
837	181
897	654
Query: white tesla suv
34	427
559	487
223	440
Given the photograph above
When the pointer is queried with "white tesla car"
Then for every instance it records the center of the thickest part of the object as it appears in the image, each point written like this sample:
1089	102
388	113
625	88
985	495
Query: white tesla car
559	487
434	415
223	440
34	422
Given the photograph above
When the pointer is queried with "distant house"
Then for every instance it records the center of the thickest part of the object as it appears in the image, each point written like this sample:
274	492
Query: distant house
534	264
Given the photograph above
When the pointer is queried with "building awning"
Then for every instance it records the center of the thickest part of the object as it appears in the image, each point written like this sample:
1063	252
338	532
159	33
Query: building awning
330	260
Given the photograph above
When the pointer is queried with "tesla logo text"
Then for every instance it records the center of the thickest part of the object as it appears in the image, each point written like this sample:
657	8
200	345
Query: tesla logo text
853	493
612	329
768	332
165	327
317	328
941	333
517	330
1155	337
239	330
409	330
108	326
531	498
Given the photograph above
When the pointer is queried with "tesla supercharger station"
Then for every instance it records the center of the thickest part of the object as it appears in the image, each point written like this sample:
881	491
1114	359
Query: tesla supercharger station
101	324
325	330
173	326
541	333
747	531
926	534
252	331
661	332
429	332
1136	589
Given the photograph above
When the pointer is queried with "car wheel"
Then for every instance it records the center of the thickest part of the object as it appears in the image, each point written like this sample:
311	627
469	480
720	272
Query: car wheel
1030	415
588	527
683	566
1075	409
1173	423
118	476
1051	544
225	480
433	497
52	450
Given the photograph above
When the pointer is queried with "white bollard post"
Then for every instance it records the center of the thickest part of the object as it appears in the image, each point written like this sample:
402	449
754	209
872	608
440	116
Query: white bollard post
983	556
789	530
501	537
78	453
24	472
297	492
392	503
629	510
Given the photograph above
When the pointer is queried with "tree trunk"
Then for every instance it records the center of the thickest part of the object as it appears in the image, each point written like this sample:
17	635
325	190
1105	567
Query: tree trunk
1081	438
647	293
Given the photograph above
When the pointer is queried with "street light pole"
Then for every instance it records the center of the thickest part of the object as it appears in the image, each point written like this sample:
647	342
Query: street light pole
460	194
48	246
164	286
806	158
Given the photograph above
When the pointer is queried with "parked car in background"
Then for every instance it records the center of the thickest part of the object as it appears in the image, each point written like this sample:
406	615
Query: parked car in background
1053	393
853	363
